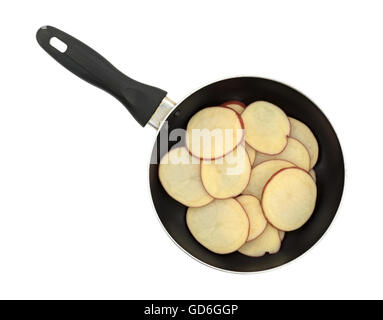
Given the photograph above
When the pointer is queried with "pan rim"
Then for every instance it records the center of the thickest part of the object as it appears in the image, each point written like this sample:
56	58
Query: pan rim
340	205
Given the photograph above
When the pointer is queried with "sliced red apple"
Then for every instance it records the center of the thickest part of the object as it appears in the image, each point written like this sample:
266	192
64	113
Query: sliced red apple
228	176
267	242
303	133
295	152
236	105
222	226
179	174
213	132
281	235
288	199
313	174
251	152
261	173
267	127
254	211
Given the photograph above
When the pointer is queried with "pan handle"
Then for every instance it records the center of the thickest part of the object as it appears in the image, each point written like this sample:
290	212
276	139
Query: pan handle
140	99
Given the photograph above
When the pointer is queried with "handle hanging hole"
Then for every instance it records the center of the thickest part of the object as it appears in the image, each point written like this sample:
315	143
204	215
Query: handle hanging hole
58	44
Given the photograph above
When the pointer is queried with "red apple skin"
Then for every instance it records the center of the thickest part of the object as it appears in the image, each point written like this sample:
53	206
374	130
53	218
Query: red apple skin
200	169
234	102
243	137
268	183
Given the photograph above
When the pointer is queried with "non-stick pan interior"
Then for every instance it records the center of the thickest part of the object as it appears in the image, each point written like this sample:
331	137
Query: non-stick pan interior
329	171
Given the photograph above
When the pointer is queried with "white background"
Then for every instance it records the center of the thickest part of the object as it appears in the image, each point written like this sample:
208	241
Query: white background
76	218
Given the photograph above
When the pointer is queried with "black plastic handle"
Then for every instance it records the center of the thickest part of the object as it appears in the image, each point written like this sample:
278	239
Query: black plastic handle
140	99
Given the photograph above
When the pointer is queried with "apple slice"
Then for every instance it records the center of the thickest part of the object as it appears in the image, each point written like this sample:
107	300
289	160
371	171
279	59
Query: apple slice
288	199
228	176
268	241
303	133
313	174
261	173
213	132
281	235
236	105
251	152
295	152
179	174
221	226
254	211
267	127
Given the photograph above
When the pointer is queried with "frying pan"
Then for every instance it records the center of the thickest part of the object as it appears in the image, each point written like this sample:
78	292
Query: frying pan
149	105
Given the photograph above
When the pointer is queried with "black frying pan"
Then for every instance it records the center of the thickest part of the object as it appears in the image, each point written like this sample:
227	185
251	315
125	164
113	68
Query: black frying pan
149	105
